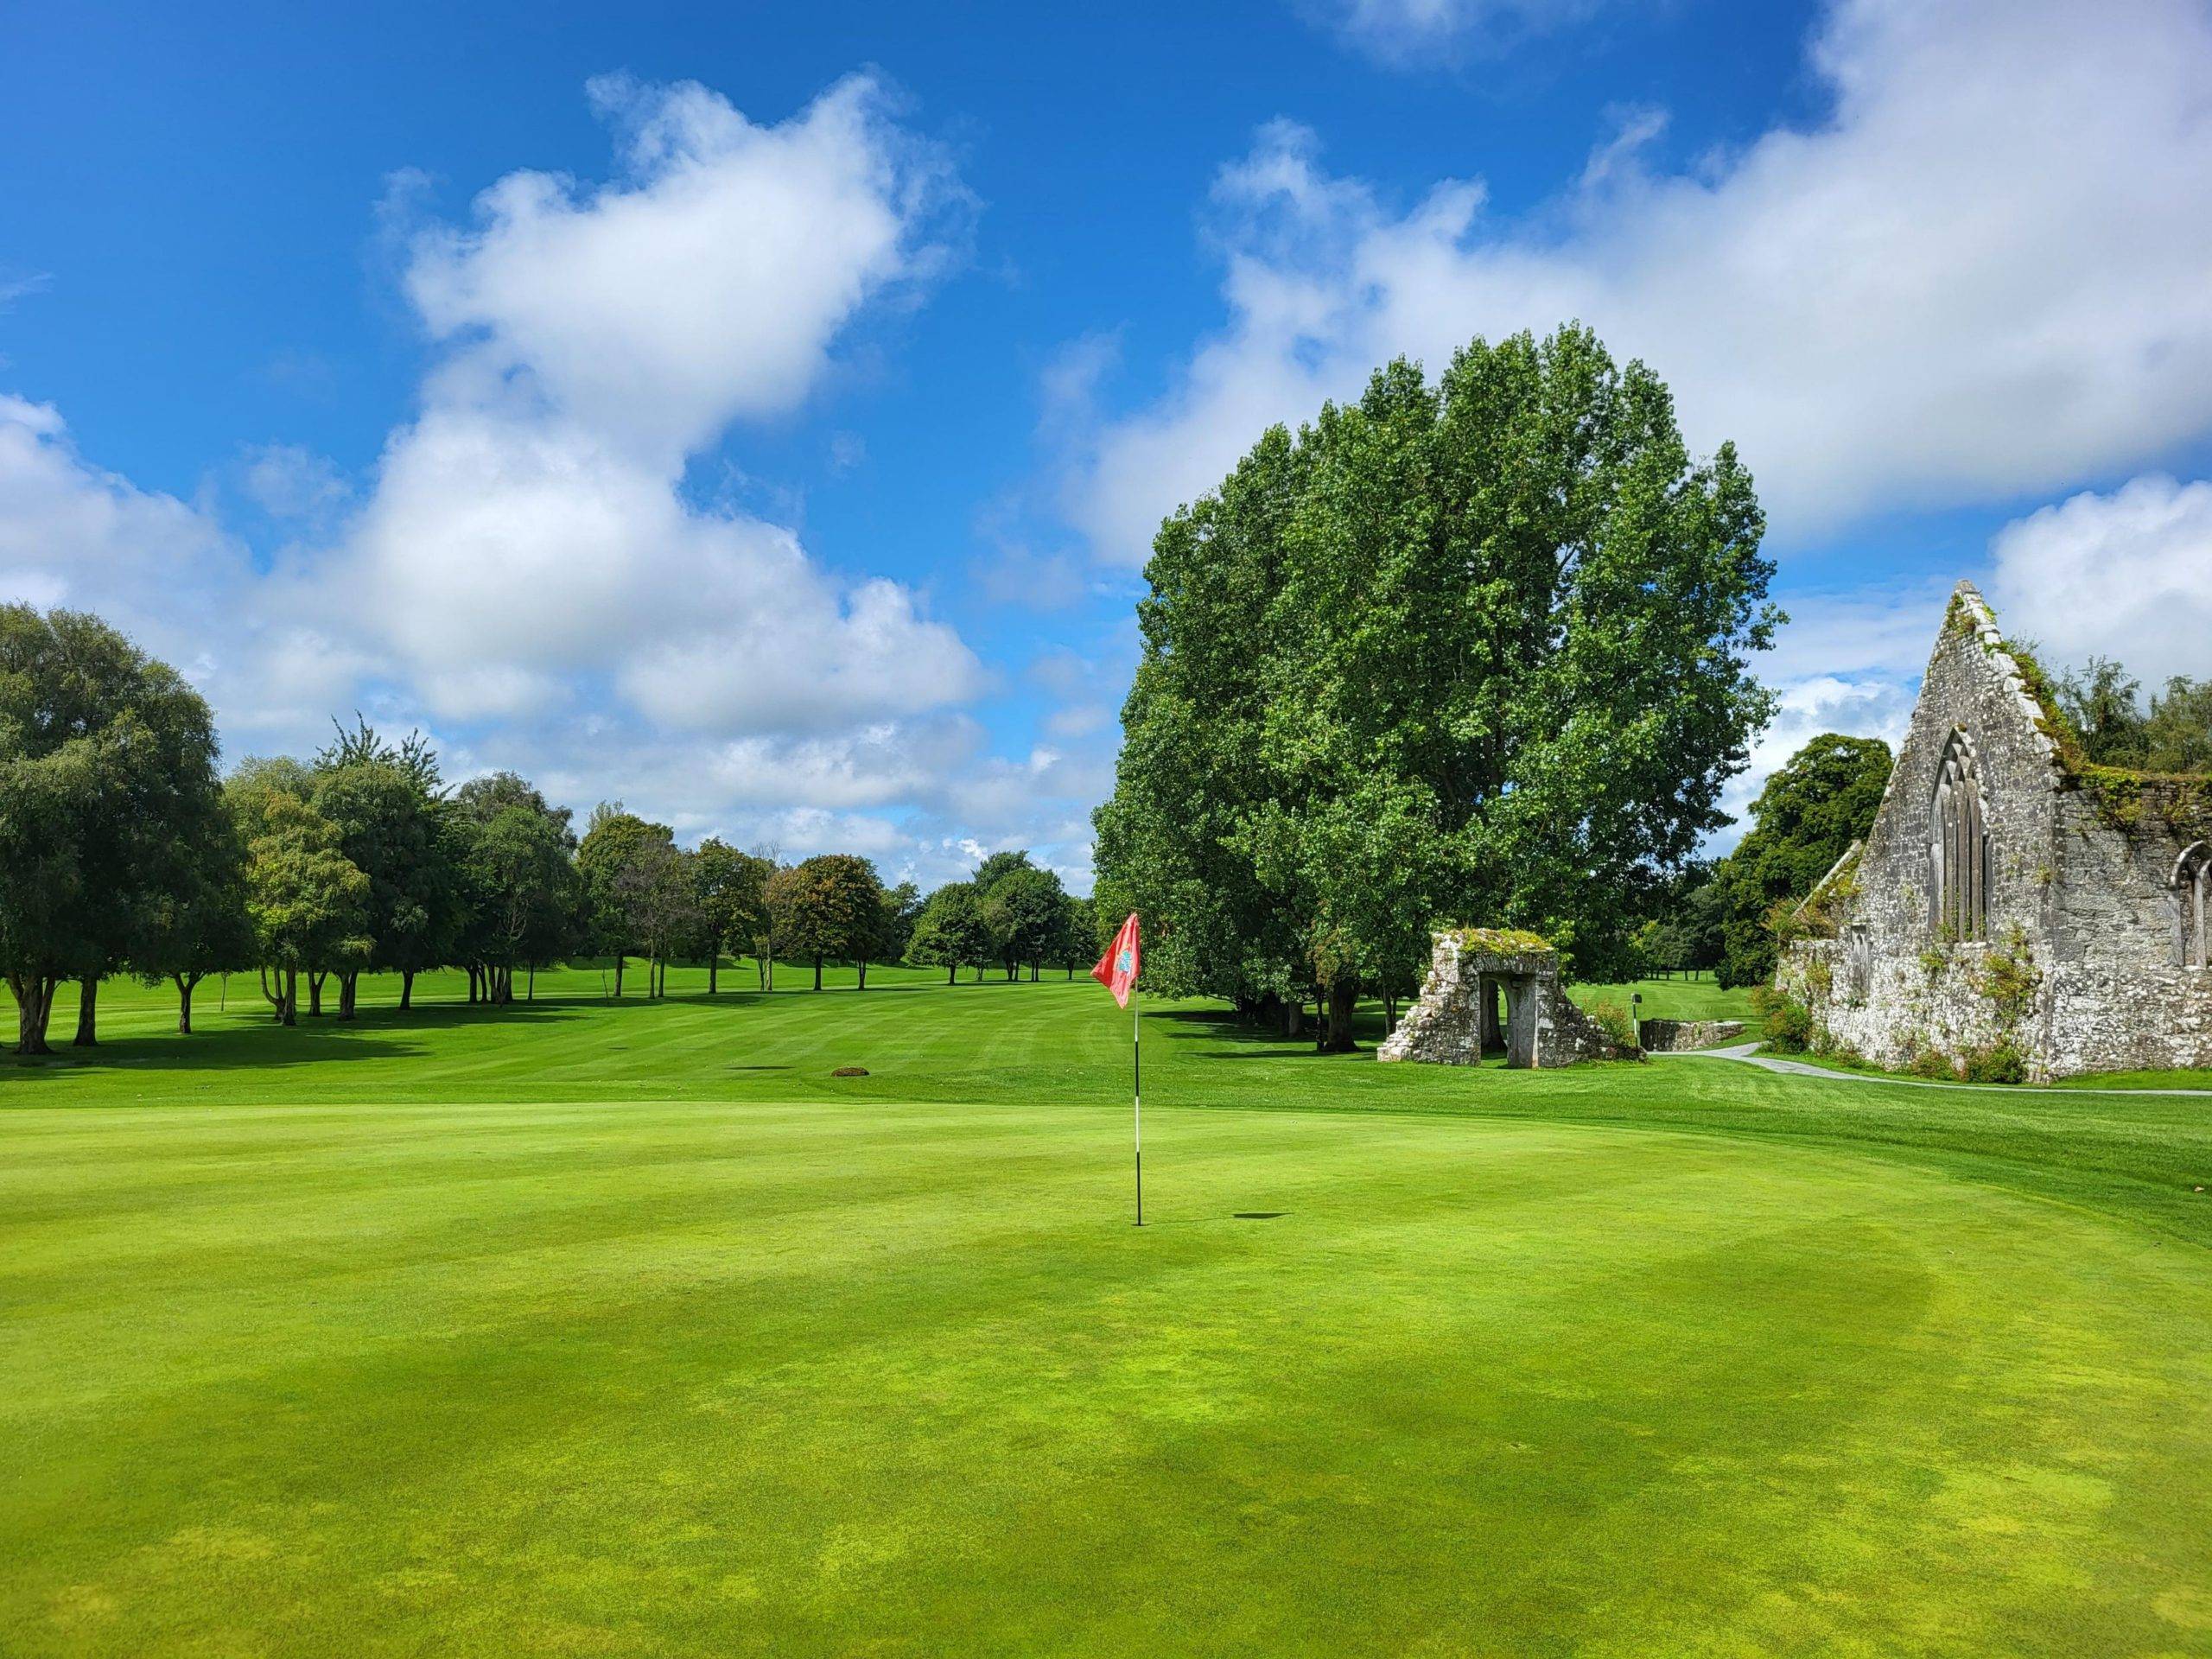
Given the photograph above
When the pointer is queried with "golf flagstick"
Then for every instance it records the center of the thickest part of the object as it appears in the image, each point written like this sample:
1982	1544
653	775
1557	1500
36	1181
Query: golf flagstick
1117	971
1136	1095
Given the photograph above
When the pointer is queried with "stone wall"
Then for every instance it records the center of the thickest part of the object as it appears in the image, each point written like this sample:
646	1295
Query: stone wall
1676	1036
2079	966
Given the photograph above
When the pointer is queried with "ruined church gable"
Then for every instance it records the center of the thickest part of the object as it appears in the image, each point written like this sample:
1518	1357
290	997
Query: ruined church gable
1994	905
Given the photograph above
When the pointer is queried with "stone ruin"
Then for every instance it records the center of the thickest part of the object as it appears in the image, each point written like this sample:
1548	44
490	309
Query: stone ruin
2013	900
1456	1021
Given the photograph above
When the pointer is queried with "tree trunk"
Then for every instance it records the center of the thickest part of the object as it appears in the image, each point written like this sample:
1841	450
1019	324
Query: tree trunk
714	968
863	966
32	1001
88	1003
315	991
348	984
952	973
1389	1015
184	985
529	983
288	1010
981	969
817	973
621	962
1339	1003
406	989
1292	1016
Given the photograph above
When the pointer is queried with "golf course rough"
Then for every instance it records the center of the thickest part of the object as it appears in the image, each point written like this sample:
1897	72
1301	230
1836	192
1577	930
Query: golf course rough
626	1330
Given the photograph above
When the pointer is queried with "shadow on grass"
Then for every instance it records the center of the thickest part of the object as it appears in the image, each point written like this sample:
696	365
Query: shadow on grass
1255	1042
374	1034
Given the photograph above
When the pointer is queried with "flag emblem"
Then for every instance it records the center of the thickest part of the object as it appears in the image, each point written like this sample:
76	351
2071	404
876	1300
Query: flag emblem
1118	969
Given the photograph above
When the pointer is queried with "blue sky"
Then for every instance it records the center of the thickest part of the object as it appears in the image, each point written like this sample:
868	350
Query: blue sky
756	413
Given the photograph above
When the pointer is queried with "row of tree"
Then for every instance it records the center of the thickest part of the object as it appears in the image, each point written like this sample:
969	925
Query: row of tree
1474	650
123	851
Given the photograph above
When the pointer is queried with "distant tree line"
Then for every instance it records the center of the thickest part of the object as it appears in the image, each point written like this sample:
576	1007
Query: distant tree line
125	851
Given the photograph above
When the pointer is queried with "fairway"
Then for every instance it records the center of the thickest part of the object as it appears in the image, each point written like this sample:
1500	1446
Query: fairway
619	1330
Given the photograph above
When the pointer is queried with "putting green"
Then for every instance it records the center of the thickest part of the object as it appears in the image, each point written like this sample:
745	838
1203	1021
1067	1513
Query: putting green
339	1341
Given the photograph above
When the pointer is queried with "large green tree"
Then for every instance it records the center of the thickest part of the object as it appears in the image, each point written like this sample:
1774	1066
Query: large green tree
604	861
1474	650
108	795
393	822
310	903
200	926
1806	816
522	906
731	896
950	932
1023	908
828	908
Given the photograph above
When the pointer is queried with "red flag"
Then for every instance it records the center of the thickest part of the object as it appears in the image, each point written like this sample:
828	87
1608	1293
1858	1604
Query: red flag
1117	969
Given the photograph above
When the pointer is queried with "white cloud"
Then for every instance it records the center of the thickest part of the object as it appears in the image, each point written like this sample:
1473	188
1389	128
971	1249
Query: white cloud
1420	32
531	525
703	284
525	573
1985	273
2126	575
164	570
287	481
1873	706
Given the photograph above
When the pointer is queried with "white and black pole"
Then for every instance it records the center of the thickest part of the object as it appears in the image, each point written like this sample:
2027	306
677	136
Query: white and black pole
1136	1095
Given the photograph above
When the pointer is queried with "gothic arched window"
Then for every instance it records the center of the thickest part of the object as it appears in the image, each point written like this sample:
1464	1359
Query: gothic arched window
2193	881
1957	845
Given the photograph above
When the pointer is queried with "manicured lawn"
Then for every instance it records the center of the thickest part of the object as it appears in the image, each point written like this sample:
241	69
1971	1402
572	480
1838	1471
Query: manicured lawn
1679	998
627	1330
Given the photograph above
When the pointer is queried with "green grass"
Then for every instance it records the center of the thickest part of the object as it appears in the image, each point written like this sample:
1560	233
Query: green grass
620	1330
1674	999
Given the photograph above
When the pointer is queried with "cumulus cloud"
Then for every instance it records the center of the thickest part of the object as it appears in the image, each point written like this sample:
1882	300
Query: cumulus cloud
73	534
2126	575
1979	276
531	525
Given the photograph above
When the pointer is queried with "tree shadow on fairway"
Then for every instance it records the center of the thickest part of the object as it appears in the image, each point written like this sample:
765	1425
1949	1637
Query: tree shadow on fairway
1255	1042
375	1033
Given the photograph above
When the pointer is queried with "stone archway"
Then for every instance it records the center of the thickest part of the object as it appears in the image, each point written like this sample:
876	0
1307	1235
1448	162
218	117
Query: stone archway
1455	1019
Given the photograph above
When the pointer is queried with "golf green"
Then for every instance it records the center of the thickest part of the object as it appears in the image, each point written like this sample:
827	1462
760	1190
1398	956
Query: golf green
625	1330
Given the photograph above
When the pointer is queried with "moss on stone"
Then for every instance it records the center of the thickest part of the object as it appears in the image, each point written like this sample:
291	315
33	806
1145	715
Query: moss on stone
1503	940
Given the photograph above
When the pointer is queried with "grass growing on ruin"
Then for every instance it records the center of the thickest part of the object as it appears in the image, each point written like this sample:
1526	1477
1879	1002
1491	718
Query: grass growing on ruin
628	1329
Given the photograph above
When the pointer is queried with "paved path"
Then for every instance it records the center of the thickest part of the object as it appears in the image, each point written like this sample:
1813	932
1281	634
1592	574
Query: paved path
1750	1055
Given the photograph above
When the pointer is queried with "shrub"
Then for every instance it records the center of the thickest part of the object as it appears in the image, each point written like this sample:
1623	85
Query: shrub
1785	1024
1612	1019
1931	1063
1998	1062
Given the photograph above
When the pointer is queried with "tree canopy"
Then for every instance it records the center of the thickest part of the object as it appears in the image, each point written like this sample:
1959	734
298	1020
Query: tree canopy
1806	816
2174	734
1471	651
108	793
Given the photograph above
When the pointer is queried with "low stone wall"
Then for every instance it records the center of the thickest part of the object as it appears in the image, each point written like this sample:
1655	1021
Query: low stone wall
1674	1036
